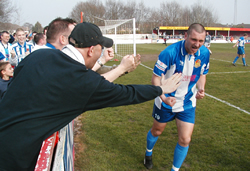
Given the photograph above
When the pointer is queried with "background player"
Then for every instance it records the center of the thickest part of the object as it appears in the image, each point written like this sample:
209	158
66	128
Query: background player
208	42
241	49
191	59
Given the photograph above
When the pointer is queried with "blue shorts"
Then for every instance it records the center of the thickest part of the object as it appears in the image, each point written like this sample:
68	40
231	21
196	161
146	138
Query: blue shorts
241	50
164	115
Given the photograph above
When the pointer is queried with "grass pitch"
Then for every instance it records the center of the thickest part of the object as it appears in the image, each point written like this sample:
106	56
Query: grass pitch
115	138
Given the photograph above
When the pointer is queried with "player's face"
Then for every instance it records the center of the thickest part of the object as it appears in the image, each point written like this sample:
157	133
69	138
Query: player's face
194	41
21	37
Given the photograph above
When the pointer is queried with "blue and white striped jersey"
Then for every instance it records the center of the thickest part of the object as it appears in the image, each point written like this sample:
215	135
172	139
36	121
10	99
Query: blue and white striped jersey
5	49
21	50
241	42
175	59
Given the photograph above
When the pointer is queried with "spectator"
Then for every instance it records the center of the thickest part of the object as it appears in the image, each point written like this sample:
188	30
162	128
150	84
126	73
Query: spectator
232	39
2	57
57	38
40	41
58	33
12	39
45	30
15	39
5	46
53	89
6	72
21	48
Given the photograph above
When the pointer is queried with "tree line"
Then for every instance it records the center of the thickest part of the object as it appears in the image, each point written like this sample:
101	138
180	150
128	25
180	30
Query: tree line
147	18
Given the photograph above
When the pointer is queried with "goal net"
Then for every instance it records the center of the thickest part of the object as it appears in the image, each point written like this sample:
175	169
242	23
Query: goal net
123	34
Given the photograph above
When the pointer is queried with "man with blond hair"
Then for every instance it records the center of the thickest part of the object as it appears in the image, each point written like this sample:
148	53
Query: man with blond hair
21	47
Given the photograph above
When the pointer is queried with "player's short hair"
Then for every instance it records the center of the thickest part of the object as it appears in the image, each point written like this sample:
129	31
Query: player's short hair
197	27
245	34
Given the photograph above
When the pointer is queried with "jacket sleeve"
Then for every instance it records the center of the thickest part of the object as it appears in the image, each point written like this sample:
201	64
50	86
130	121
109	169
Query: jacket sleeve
110	95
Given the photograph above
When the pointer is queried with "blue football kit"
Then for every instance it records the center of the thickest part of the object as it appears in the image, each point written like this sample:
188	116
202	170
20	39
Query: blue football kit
241	51
241	46
175	59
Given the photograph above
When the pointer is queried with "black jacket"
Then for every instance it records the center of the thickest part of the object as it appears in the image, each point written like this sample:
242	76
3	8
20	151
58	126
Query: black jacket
48	90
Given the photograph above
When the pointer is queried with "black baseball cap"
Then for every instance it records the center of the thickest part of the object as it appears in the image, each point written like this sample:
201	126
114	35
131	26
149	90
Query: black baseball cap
87	34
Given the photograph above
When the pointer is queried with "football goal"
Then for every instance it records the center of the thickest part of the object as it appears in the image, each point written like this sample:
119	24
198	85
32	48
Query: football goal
123	34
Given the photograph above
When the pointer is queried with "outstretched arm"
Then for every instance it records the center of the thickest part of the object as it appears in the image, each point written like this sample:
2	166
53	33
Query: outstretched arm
108	54
156	80
128	64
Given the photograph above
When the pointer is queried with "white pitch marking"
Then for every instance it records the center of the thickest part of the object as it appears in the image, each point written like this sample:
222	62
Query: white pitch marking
235	72
220	60
146	66
229	104
225	61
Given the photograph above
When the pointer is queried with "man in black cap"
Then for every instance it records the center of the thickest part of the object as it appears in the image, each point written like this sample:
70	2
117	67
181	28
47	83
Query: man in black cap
53	89
57	38
87	39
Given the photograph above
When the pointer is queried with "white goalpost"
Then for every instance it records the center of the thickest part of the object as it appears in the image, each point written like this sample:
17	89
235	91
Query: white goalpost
123	33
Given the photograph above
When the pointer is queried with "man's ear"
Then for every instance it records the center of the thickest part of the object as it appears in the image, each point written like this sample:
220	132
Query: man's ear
63	39
3	72
90	51
186	35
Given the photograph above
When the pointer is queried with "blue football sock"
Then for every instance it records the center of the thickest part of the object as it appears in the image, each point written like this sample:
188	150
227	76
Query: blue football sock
180	154
151	140
235	59
244	61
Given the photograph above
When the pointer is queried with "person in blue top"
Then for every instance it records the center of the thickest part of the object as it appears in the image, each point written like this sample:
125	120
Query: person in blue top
5	46
208	42
2	57
190	58
241	49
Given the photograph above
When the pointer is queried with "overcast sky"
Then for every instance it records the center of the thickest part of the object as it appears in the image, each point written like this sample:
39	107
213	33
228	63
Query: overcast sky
45	11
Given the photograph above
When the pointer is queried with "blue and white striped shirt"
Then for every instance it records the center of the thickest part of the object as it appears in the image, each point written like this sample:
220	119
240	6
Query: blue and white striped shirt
5	49
175	59
21	50
241	42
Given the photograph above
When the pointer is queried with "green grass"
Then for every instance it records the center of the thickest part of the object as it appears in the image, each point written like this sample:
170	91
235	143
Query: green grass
115	138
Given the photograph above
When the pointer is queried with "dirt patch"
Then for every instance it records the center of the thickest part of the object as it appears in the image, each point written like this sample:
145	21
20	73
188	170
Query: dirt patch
146	58
78	144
